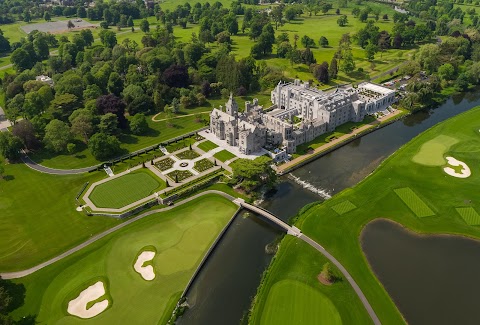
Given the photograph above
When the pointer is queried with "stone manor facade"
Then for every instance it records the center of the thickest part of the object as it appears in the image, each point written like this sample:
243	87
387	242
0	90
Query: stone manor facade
299	114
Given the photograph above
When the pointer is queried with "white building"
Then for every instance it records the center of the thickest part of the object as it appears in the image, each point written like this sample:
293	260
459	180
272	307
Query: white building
45	79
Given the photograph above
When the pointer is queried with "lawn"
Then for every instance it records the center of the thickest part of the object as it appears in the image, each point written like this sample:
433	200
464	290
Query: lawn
180	237
126	189
38	218
224	155
376	197
207	146
310	307
203	165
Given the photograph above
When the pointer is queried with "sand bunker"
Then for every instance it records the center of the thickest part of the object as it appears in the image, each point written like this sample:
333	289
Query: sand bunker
78	306
145	271
464	173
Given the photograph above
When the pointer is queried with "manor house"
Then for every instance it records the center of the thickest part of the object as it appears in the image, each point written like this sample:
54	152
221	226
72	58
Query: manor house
299	114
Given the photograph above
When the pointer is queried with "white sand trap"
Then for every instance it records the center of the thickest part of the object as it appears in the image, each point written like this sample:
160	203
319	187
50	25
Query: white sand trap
145	271
78	306
465	172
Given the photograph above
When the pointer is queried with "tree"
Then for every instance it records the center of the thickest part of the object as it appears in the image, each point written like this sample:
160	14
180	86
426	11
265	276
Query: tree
176	76
47	16
82	122
320	72
115	84
27	17
252	174
342	21
385	17
71	148
370	51
175	105
63	105
446	72
87	36
277	15
290	13
363	16
81	12
328	273
138	124
70	25
323	42
70	84
145	26
333	69
108	38
57	136
112	104
103	146
24	131
130	21
22	60
10	145
348	63
141	104
307	41
109	124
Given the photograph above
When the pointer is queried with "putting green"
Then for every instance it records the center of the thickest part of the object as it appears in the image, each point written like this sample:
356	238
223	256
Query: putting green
293	302
414	202
185	232
126	189
470	216
344	207
431	152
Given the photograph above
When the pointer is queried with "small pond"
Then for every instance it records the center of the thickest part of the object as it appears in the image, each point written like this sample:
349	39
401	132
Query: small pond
433	279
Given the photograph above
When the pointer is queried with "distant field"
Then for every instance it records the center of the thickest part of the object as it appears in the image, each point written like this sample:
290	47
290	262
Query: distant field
126	189
55	27
180	237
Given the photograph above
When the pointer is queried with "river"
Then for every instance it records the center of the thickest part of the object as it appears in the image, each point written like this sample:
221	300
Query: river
223	291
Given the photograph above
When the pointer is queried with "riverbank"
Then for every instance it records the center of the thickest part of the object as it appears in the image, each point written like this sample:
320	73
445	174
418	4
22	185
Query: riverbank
337	223
341	141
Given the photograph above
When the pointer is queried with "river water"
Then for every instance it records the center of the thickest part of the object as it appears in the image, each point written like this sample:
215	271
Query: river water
223	291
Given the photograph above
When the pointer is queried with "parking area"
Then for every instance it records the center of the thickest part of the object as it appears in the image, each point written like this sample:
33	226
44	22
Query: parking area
56	27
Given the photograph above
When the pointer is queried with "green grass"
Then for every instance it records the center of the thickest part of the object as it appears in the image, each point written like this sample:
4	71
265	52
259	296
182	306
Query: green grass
414	202
181	237
224	155
344	207
470	216
207	146
38	218
126	189
203	165
375	198
293	302
432	152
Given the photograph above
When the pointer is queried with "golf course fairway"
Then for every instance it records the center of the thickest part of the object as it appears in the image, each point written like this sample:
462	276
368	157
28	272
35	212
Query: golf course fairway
410	188
180	236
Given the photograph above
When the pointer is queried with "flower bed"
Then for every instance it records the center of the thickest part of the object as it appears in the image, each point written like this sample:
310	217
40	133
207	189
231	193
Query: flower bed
187	154
203	165
179	175
165	164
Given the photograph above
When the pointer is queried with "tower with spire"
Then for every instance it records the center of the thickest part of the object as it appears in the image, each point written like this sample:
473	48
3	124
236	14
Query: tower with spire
231	106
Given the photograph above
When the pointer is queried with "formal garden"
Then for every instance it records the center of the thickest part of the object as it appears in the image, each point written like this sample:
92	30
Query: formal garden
179	175
203	165
187	154
165	164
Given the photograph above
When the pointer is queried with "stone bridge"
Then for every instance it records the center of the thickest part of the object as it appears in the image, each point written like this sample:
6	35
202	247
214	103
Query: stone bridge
291	230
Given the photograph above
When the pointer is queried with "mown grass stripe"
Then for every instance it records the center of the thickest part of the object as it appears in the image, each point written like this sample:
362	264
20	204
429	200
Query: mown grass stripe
469	215
344	207
414	202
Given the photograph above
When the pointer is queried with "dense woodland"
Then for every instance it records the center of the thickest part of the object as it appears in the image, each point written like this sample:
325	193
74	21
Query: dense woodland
106	89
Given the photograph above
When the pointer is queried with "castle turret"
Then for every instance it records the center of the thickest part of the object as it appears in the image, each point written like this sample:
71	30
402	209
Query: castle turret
231	106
